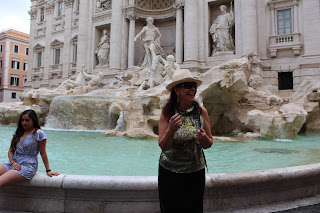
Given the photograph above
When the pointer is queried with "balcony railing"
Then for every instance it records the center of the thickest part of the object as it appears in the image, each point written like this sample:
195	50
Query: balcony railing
55	70
287	41
37	73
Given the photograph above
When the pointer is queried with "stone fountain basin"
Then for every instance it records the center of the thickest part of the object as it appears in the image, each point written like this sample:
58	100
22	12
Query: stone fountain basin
139	194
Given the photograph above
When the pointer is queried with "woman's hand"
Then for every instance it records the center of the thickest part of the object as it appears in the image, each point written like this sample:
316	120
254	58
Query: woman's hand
52	174
201	135
175	123
16	166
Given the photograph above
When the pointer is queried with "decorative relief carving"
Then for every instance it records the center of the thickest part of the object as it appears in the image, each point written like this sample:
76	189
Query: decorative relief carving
68	3
154	4
49	7
41	2
33	12
131	17
103	5
179	4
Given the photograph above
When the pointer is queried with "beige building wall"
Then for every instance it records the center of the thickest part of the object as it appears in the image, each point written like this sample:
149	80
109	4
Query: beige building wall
76	28
13	64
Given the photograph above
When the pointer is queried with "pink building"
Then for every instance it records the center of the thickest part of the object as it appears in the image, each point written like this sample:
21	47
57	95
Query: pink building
14	50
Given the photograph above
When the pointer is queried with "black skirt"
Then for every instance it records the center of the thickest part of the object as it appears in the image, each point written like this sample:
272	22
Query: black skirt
181	192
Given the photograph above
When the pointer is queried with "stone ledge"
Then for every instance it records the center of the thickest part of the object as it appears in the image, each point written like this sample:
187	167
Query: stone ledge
80	193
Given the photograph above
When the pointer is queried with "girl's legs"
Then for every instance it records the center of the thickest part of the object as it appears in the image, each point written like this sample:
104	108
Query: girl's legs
9	177
2	169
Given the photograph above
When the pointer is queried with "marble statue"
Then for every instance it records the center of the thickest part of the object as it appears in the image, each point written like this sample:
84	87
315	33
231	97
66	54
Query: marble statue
103	4
150	42
96	80
155	77
79	81
220	31
170	67
103	49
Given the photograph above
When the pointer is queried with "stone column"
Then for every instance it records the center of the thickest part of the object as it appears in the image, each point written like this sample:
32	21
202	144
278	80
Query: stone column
67	38
132	32
47	59
295	16
201	33
116	35
191	32
31	60
273	21
249	27
179	31
83	43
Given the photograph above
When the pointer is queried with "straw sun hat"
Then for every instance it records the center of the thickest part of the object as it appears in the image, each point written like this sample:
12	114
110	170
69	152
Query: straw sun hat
181	76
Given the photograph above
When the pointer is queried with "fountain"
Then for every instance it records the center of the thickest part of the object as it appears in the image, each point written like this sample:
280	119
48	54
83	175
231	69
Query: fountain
234	101
237	102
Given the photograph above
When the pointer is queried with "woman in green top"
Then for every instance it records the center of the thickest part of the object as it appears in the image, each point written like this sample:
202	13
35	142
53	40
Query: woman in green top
184	131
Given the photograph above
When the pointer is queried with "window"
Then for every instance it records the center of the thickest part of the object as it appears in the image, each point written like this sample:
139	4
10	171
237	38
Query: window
25	66
57	56
1	63
285	80
15	64
60	8
27	51
75	50
284	21
16	49
14	81
38	59
41	14
13	95
24	81
1	48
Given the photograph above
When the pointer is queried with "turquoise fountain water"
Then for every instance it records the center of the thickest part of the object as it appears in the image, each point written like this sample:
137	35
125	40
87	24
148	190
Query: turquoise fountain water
93	153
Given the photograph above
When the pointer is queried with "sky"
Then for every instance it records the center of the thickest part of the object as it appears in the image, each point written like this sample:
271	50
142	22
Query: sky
14	15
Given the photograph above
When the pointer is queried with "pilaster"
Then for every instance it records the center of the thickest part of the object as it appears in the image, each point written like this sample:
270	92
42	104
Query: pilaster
191	32
83	44
67	38
116	35
132	25
249	26
179	31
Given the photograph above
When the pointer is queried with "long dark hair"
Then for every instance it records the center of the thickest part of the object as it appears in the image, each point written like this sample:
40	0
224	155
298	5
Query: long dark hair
170	108
20	130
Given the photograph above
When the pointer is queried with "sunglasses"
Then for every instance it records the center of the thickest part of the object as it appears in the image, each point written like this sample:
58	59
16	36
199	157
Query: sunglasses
188	85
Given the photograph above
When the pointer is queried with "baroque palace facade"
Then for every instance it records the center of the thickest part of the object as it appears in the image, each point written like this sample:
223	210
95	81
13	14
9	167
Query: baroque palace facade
67	34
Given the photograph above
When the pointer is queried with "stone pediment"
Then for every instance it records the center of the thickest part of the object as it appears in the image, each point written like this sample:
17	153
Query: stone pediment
75	38
56	43
38	47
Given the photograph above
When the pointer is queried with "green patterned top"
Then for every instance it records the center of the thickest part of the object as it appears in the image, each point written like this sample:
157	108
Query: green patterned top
186	154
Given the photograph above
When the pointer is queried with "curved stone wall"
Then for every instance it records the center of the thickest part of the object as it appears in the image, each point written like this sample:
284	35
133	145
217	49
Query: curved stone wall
77	193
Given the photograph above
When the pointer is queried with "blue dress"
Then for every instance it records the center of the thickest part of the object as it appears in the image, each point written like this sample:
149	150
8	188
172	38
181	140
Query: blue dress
26	154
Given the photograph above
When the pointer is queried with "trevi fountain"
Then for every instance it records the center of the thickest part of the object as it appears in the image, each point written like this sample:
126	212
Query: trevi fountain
240	104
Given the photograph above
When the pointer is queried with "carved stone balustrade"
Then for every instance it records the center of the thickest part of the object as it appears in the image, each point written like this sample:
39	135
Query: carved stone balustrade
37	73
287	41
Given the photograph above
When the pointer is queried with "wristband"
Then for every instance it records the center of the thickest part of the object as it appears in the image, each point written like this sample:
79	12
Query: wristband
48	170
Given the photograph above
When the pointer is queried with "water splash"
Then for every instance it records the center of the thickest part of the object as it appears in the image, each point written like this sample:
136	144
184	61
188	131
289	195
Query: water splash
120	123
